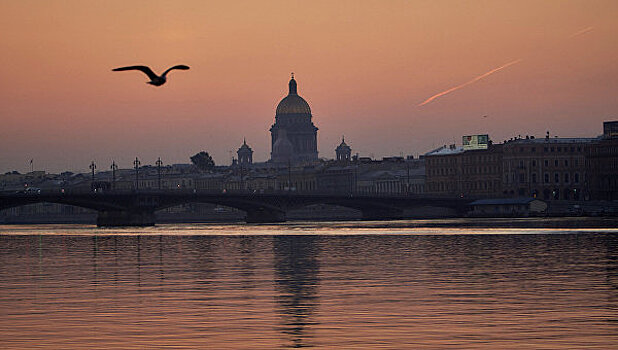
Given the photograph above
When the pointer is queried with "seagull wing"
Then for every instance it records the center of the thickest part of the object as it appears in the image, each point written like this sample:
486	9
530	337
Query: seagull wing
144	69
180	66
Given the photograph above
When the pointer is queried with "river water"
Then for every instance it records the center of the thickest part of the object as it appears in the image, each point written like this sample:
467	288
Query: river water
346	285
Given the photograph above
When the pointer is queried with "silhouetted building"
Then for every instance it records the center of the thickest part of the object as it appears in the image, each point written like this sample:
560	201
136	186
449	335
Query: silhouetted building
546	168
338	179
343	151
603	164
293	135
245	154
453	171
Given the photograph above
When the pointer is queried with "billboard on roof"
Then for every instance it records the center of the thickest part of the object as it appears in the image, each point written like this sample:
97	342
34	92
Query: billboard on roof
610	129
472	142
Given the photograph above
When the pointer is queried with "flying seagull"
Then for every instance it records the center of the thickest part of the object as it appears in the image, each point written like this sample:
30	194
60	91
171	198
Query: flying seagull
154	79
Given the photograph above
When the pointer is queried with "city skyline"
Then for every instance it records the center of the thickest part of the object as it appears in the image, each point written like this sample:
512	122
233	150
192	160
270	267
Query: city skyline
366	69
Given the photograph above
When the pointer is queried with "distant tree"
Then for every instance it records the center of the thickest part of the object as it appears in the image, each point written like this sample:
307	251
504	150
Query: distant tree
203	161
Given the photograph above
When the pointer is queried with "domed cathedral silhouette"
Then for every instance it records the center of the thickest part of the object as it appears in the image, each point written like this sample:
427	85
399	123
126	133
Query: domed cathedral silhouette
293	135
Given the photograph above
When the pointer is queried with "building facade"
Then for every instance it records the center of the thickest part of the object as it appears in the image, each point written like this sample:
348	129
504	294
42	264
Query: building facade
547	168
602	164
455	172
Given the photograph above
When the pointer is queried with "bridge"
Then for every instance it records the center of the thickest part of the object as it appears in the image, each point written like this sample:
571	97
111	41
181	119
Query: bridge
116	208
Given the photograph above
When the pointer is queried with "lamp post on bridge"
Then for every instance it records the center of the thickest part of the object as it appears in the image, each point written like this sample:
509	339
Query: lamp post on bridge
159	163
114	167
408	179
136	163
289	174
92	167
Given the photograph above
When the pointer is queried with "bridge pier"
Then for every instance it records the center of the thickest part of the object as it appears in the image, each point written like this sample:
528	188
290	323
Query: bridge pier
263	215
381	214
110	218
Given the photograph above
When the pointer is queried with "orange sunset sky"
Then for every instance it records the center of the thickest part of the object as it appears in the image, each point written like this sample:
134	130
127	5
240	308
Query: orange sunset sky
363	66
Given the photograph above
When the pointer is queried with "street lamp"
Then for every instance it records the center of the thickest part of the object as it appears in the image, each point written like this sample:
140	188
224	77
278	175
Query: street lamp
137	163
114	167
289	174
159	163
92	167
408	178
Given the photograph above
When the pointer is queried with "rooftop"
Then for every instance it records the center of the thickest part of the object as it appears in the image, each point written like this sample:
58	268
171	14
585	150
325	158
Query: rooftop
445	150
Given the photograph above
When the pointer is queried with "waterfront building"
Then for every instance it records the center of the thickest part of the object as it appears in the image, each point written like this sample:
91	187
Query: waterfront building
338	178
214	182
293	135
549	168
301	178
603	164
456	172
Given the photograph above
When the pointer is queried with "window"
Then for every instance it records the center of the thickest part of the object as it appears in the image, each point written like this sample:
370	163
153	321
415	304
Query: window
576	178
566	162
576	162
556	162
534	163
566	178
559	149
544	149
533	149
522	178
556	177
533	178
546	178
546	162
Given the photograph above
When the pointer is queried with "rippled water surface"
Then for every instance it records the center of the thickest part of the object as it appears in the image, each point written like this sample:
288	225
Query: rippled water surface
332	286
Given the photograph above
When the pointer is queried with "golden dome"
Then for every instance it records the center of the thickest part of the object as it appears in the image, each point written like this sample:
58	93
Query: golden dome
292	103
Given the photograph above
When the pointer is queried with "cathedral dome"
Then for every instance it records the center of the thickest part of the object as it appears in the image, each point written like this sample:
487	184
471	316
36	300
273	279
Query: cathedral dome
292	103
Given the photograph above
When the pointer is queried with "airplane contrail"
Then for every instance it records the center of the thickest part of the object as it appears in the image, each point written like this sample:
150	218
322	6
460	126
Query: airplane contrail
469	82
581	32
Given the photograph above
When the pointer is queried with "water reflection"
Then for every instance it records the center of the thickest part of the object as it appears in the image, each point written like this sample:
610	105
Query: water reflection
296	281
557	291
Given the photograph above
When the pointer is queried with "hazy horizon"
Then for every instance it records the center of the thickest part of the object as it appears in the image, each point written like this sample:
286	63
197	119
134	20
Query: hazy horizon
397	77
